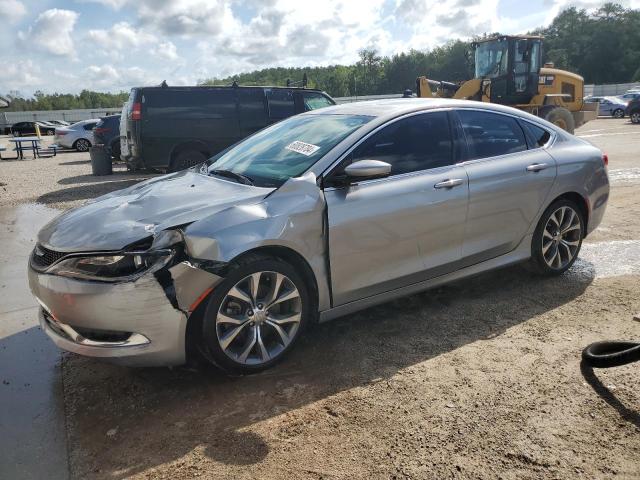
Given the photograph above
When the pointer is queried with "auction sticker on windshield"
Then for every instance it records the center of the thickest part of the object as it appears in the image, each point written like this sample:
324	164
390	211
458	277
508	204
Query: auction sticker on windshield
302	147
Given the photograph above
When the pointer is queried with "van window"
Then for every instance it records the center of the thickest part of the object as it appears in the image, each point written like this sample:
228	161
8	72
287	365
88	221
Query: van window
313	101
280	103
491	134
192	103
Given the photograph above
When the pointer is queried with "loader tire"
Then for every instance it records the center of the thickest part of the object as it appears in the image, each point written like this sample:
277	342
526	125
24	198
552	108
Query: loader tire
559	116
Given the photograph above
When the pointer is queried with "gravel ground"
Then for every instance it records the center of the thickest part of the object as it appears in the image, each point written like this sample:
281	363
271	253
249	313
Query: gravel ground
478	379
62	182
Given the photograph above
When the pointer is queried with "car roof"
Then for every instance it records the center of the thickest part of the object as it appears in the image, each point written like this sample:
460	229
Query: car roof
226	87
399	106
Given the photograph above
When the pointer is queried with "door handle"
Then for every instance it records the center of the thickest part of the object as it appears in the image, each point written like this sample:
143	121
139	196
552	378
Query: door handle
450	183
536	167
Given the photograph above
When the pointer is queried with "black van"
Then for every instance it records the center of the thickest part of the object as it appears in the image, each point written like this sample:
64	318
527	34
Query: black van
172	128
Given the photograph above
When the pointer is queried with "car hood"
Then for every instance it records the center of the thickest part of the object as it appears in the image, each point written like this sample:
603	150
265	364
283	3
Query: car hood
116	220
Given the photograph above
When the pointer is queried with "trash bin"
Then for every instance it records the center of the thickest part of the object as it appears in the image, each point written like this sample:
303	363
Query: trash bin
100	161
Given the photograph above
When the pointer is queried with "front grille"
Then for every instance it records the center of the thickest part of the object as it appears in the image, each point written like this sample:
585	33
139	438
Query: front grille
42	257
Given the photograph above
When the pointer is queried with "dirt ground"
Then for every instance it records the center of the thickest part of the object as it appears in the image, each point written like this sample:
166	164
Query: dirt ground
478	379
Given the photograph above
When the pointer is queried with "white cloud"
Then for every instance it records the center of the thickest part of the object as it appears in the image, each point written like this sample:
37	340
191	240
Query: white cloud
166	51
120	36
112	78
12	10
51	32
20	74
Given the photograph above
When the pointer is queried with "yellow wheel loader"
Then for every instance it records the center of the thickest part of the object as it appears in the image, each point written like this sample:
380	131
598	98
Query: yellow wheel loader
508	72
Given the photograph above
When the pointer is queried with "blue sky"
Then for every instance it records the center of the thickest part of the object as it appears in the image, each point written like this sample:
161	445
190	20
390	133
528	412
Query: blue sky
112	45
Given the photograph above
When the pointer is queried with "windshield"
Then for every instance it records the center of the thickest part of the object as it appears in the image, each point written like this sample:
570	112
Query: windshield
491	59
287	149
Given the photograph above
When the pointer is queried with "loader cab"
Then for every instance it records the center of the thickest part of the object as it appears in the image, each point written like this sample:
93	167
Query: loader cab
511	66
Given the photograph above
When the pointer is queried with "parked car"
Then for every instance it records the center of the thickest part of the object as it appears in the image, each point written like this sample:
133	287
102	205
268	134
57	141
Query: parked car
633	110
22	129
172	128
107	133
60	123
315	217
613	106
78	136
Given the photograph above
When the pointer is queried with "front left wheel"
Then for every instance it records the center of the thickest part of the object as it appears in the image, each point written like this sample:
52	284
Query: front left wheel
618	113
255	316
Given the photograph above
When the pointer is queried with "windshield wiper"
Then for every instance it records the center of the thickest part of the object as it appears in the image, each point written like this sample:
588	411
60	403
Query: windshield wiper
229	174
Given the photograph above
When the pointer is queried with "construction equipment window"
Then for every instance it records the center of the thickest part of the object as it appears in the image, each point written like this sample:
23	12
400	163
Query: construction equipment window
491	59
569	89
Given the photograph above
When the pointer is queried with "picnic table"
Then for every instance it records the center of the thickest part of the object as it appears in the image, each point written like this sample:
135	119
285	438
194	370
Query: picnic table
32	143
20	147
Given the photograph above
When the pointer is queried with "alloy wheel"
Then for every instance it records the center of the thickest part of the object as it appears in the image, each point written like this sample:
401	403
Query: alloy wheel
618	113
635	117
258	318
82	145
561	237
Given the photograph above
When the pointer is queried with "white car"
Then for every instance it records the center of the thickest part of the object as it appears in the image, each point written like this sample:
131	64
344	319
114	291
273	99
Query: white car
78	136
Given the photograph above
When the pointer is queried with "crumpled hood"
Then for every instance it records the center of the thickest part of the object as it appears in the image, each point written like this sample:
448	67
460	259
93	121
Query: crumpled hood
113	221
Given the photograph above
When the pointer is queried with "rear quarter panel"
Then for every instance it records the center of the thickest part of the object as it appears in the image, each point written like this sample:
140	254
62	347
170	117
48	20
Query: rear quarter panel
581	170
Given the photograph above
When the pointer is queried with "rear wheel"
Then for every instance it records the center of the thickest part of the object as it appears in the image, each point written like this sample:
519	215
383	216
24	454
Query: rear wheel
618	113
82	145
557	238
559	116
255	316
635	117
186	159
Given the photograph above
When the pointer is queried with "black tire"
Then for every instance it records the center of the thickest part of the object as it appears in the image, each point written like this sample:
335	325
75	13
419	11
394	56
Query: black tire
210	344
82	145
611	354
537	263
186	159
51	132
115	150
635	117
559	116
618	113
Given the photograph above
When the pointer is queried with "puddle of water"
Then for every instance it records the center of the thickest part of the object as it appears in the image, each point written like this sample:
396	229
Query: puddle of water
624	175
32	422
608	259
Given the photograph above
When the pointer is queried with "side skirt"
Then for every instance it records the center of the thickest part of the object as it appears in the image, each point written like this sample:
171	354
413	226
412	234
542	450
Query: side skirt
521	253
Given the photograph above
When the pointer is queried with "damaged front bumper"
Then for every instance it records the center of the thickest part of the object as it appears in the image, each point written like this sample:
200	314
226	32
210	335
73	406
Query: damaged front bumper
137	323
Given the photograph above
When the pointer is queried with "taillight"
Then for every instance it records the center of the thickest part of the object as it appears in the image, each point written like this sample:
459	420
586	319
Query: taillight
60	133
605	159
100	130
136	111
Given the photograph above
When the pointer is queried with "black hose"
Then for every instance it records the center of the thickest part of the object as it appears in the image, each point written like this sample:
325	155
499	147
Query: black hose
611	354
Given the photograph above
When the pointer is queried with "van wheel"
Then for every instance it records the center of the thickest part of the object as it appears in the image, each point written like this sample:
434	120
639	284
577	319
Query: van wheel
186	159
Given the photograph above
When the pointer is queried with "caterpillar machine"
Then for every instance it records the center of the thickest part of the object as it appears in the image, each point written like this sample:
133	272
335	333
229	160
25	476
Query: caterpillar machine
508	71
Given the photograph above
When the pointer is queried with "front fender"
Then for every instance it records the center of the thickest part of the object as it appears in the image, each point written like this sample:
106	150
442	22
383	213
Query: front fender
291	217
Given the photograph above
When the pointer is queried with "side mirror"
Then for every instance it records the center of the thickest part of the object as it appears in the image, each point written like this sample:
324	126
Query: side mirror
367	169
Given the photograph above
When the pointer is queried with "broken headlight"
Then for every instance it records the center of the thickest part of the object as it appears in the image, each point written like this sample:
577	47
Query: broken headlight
112	268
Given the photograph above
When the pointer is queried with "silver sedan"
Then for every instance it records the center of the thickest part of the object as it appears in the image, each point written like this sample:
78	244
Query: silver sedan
315	217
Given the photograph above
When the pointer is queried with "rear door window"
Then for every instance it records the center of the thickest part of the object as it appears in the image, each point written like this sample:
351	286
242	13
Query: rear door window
313	101
418	142
491	134
281	104
536	136
89	126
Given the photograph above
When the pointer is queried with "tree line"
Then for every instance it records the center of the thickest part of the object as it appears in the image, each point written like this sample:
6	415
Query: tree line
603	46
64	101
